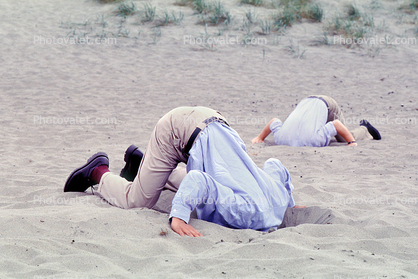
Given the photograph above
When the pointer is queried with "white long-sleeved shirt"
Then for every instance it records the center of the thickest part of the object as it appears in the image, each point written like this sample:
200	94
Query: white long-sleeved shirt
305	126
226	187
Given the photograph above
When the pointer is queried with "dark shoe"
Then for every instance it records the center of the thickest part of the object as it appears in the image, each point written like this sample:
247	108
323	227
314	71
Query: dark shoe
79	180
372	130
133	157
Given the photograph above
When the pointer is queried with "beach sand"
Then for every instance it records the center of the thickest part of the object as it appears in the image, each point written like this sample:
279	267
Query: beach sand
61	102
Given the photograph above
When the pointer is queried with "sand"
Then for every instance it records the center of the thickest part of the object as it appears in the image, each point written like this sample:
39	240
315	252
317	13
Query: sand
62	102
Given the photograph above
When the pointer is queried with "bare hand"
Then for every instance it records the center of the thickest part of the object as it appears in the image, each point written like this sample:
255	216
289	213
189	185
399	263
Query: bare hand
299	206
257	140
180	227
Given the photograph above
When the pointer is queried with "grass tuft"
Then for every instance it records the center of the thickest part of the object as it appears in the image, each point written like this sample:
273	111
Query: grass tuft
183	2
148	12
297	51
375	4
252	2
353	24
266	26
348	28
213	13
285	18
353	12
220	14
314	12
109	1
323	40
247	27
170	18
210	12
291	11
156	36
409	7
126	10
251	16
202	6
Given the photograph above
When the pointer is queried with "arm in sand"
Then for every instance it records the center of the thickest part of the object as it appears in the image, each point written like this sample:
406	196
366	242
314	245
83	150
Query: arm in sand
182	228
344	132
264	133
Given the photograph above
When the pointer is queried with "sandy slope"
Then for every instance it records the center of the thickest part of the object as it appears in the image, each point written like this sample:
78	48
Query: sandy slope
362	202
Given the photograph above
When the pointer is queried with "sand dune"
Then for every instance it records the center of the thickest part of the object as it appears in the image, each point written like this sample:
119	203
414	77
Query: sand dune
60	103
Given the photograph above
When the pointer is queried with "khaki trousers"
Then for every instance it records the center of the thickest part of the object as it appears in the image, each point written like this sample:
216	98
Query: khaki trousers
335	113
166	149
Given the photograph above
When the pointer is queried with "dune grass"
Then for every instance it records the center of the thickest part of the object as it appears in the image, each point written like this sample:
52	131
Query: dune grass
347	28
253	2
169	17
212	13
288	12
251	16
296	50
148	12
109	1
322	40
313	12
409	7
202	6
209	12
354	24
125	9
353	13
291	11
285	18
184	2
266	27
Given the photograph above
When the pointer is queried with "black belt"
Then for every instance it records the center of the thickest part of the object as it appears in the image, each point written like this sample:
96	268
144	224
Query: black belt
191	140
197	131
322	99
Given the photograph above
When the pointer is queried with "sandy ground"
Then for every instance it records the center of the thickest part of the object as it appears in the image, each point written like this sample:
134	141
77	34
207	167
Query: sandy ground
62	102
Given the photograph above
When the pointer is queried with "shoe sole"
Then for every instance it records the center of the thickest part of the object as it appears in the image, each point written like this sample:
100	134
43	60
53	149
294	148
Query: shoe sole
126	172
129	152
372	130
